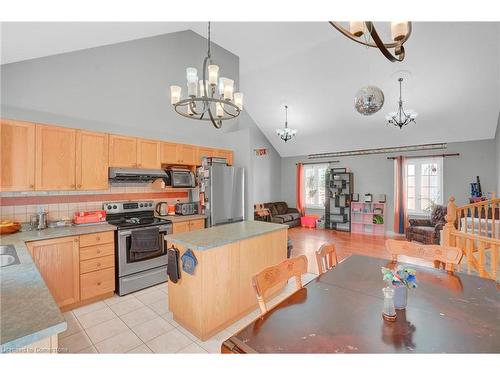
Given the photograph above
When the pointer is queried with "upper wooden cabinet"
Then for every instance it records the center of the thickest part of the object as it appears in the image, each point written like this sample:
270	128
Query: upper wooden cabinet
227	154
17	156
59	263
55	158
91	160
148	154
175	153
205	152
122	151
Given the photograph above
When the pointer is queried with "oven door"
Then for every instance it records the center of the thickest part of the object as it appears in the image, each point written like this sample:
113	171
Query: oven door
182	179
130	263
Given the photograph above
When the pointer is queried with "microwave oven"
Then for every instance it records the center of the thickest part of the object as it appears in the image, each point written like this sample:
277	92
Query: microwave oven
180	178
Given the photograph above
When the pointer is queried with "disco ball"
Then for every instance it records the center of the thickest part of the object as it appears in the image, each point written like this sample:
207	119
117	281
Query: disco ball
369	100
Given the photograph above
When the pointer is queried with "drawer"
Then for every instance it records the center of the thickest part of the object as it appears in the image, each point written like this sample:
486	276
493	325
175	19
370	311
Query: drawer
97	251
97	264
95	283
97	238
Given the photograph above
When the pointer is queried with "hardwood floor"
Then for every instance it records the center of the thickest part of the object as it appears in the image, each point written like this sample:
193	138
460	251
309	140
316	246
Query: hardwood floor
306	241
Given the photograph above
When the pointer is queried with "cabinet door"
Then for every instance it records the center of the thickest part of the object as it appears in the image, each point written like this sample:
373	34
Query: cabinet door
148	154
17	156
91	160
169	153
197	224
55	158
187	154
183	226
122	151
205	152
227	154
58	262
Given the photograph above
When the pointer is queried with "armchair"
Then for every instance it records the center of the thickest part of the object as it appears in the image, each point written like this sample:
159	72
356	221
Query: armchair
427	231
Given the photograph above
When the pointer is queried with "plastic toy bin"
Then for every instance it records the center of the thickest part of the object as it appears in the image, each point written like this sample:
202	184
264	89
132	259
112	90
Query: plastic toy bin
308	221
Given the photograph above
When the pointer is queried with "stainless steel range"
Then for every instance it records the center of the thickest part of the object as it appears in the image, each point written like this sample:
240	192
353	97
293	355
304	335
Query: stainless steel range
141	256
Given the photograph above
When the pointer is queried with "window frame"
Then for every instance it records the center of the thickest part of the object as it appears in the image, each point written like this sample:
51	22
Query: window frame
418	162
316	167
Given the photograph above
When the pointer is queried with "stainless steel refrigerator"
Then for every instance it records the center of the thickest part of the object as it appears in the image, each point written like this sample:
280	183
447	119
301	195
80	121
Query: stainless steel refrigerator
222	189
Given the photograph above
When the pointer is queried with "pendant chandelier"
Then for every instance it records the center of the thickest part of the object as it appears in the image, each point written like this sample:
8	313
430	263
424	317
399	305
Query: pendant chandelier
369	100
401	117
364	32
208	100
286	133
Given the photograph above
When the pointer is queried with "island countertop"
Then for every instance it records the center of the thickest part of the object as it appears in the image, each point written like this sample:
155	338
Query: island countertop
208	238
29	312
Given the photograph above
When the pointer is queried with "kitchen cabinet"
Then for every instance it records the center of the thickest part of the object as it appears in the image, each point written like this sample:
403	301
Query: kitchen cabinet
188	225
227	154
17	157
55	150
122	151
205	152
91	160
175	153
58	261
148	154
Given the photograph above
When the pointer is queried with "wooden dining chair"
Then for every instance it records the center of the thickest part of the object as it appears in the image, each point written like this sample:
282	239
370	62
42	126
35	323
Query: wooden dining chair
326	257
447	255
280	273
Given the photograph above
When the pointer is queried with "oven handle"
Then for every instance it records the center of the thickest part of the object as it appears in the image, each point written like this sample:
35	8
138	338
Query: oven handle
129	232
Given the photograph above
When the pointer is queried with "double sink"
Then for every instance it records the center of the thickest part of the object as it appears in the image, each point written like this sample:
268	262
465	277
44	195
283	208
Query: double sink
8	256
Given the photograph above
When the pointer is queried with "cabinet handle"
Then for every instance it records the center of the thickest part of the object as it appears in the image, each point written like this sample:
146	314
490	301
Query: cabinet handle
98	238
79	186
32	186
98	283
73	186
98	251
76	239
98	264
139	164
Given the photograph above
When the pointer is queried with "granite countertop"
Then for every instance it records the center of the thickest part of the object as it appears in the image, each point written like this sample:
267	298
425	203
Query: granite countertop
204	239
181	218
28	310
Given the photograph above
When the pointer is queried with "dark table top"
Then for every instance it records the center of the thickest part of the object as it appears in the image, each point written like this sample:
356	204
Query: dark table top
341	312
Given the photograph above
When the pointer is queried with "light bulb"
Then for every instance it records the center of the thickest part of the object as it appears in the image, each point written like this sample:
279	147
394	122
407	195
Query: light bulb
357	28
399	30
238	100
219	109
175	94
228	88
203	88
213	74
191	74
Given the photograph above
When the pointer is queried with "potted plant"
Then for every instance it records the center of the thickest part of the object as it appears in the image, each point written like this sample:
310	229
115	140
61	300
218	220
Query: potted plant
401	279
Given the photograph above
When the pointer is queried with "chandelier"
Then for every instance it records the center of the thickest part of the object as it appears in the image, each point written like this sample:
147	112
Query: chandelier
364	32
208	100
401	118
369	100
286	133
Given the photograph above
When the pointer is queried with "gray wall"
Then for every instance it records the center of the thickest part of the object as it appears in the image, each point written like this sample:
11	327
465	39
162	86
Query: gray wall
124	88
375	174
497	159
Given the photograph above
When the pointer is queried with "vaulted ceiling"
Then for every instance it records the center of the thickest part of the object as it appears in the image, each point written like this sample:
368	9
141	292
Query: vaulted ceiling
451	71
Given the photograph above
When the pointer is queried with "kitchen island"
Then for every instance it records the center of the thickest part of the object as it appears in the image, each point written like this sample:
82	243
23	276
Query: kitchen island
220	291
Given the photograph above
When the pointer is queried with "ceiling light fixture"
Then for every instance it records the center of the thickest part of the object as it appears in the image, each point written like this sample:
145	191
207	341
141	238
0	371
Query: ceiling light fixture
364	32
369	100
202	102
401	118
286	133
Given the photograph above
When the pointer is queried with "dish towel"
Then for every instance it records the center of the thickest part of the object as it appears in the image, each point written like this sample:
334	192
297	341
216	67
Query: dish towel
145	240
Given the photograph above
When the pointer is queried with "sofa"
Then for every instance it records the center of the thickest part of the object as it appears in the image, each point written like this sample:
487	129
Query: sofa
282	214
427	231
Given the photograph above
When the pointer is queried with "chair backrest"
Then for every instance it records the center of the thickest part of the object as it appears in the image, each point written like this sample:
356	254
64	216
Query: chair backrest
448	255
280	273
326	257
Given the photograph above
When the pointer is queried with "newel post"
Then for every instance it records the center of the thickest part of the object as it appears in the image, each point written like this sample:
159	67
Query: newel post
449	227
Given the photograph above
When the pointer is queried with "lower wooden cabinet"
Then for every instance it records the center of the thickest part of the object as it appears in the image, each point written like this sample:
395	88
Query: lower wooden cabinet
188	225
77	268
58	261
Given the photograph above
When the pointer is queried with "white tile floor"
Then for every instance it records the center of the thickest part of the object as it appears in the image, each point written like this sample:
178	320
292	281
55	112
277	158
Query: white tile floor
142	323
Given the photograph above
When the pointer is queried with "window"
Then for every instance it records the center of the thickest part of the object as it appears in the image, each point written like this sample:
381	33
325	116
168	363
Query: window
424	184
315	185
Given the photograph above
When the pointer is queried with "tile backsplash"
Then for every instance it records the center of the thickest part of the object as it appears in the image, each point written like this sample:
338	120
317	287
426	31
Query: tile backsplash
63	209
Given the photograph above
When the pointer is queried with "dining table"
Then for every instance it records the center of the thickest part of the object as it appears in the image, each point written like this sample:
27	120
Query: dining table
340	311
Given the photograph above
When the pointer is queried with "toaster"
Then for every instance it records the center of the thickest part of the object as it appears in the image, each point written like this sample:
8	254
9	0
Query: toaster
190	208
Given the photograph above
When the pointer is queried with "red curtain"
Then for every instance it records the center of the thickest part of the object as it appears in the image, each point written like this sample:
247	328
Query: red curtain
400	213
300	185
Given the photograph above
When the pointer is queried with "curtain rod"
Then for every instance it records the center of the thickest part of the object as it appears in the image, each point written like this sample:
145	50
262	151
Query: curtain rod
424	156
323	162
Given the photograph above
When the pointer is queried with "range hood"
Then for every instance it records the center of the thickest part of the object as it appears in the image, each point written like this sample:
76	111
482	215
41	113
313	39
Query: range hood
135	175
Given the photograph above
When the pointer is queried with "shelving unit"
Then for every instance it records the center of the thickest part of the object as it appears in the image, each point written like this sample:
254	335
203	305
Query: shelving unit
368	218
339	188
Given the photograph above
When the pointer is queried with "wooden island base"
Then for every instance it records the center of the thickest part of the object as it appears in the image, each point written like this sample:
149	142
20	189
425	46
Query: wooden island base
220	292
